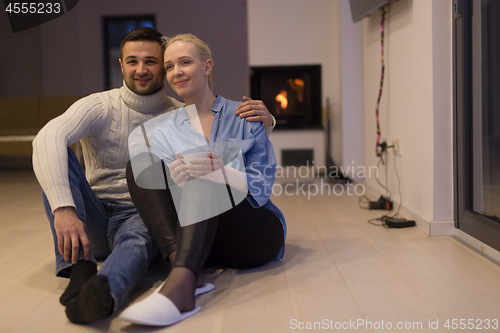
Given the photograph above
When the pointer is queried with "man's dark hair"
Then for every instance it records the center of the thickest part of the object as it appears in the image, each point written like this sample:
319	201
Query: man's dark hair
141	34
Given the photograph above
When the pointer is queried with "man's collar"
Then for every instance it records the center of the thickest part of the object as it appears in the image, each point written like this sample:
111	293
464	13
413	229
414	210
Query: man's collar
145	103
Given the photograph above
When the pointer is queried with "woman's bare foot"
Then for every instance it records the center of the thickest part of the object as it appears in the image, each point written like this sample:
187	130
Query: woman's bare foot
180	287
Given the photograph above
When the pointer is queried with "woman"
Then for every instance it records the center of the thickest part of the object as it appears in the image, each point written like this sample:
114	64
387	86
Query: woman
249	234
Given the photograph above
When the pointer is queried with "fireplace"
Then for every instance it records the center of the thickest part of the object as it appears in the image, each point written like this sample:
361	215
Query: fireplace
291	93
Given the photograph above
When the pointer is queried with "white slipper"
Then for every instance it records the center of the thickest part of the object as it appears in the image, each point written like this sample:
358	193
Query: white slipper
155	310
204	289
201	290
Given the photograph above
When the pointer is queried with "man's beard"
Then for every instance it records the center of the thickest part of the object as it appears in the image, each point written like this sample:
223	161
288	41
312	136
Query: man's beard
154	87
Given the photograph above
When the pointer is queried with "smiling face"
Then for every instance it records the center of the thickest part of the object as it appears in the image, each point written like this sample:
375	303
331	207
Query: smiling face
142	66
187	73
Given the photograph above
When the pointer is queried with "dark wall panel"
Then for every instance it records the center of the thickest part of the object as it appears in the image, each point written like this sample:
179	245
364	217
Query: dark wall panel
65	56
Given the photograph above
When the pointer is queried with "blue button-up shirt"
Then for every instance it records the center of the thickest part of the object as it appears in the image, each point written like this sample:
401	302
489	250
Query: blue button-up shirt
228	132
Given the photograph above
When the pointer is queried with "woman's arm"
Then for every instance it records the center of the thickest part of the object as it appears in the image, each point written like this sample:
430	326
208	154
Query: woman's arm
260	165
214	169
249	156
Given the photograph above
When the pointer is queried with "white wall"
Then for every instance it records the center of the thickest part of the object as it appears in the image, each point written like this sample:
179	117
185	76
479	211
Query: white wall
351	55
295	32
416	107
443	110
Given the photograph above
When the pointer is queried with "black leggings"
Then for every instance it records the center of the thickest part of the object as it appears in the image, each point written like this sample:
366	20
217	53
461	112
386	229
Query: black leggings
242	237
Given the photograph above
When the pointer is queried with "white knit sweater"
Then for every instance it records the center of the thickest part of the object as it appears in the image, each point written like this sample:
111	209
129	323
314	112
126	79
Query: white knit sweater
102	122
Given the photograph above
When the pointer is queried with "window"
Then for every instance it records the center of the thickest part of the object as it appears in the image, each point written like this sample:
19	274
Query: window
115	28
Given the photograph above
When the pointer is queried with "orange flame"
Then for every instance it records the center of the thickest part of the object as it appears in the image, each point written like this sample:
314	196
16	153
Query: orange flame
281	97
299	82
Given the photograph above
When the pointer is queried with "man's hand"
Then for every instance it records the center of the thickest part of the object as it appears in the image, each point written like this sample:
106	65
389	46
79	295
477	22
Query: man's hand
255	110
178	171
70	233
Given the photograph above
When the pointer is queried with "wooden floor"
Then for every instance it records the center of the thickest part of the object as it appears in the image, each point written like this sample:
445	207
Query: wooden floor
337	270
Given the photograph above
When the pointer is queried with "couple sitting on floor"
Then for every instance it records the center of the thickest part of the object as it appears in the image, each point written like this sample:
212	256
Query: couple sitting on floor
199	178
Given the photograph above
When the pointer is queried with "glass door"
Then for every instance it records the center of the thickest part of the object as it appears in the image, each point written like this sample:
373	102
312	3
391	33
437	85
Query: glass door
477	118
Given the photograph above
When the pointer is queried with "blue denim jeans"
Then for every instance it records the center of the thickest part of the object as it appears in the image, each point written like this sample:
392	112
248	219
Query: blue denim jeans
116	234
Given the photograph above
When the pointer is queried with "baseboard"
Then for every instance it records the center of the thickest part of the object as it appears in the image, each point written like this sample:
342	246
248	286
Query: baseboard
432	228
441	228
478	246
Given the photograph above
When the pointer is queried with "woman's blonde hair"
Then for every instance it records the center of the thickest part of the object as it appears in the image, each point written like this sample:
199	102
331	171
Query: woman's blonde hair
201	47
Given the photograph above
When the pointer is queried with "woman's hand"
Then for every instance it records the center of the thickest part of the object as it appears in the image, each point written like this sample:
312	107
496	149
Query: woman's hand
178	171
207	168
211	169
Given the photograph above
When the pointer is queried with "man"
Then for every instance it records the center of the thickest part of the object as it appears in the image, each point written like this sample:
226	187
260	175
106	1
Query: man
92	216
